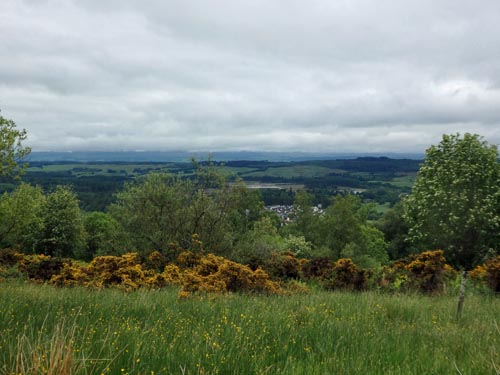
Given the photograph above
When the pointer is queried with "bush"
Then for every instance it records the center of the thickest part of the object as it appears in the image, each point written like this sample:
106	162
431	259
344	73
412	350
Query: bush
346	275
10	257
318	268
284	266
426	272
217	274
488	274
41	267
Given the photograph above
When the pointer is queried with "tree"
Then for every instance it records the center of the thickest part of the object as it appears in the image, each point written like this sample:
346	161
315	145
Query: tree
104	235
20	217
154	211
12	152
455	202
63	232
162	210
395	229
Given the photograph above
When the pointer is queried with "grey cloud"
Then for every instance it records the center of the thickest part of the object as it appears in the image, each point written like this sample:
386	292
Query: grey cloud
263	75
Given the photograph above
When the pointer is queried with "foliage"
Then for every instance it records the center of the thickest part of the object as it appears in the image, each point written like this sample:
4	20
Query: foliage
426	272
318	268
217	274
284	266
488	273
105	236
343	229
256	247
42	267
161	210
12	152
10	257
346	275
63	231
454	204
21	219
395	228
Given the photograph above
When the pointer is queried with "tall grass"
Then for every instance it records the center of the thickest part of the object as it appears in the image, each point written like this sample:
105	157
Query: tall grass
152	332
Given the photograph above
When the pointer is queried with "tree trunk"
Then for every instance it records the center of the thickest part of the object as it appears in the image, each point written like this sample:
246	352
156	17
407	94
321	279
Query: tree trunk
461	295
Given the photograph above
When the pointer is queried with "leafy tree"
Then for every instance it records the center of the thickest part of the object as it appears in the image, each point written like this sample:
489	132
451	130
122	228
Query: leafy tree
12	151
306	223
63	232
342	230
259	243
395	228
105	236
20	217
455	202
342	223
154	211
162	210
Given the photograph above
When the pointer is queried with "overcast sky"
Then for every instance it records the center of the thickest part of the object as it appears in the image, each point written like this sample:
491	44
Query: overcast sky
329	76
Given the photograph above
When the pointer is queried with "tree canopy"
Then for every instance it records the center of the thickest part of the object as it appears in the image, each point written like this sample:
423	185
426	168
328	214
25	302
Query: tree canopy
12	152
455	202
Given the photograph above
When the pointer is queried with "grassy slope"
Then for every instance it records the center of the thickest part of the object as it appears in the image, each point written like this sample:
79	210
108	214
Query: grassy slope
148	332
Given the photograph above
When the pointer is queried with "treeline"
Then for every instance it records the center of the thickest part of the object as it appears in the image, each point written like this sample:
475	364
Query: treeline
164	212
96	183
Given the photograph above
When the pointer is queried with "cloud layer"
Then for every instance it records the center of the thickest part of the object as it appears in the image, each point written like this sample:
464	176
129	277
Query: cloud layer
329	76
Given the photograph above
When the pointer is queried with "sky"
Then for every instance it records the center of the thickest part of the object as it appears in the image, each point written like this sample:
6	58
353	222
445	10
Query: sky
262	75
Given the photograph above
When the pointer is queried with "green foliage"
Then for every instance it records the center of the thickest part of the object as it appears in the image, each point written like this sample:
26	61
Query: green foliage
257	246
63	231
154	211
12	152
161	210
426	272
21	219
395	228
104	235
346	275
454	204
42	267
343	229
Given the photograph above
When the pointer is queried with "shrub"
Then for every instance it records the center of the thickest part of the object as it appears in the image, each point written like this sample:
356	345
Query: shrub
318	268
156	261
41	267
346	275
10	257
426	272
217	274
489	273
284	265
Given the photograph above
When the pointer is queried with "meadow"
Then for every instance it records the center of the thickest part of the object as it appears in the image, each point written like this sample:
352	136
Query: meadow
109	331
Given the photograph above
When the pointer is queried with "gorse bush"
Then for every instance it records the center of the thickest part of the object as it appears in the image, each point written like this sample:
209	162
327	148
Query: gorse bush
346	275
205	274
318	268
488	274
197	273
217	274
426	272
42	267
284	266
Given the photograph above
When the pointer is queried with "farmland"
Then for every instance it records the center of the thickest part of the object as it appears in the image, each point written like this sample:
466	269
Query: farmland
381	180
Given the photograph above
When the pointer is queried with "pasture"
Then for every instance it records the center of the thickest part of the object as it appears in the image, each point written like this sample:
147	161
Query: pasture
153	332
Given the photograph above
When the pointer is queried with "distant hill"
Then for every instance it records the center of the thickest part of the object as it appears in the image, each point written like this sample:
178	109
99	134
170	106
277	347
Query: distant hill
183	156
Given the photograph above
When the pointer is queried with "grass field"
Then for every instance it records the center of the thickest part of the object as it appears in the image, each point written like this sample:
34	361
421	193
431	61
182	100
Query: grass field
152	332
297	171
